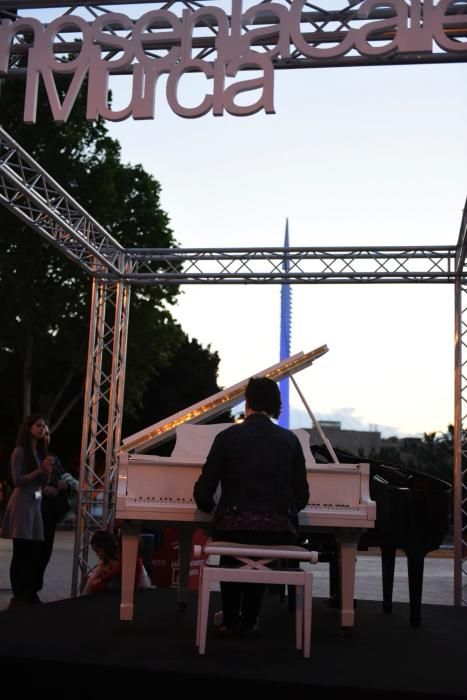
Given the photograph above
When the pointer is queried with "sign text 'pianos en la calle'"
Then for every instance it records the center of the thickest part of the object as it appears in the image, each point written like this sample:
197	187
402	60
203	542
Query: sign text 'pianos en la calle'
162	43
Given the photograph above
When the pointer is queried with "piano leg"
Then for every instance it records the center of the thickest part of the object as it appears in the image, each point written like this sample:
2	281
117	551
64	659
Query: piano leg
415	566
334	582
184	553
388	562
130	542
347	550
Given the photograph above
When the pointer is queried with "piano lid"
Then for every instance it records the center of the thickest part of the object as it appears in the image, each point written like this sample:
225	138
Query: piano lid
216	403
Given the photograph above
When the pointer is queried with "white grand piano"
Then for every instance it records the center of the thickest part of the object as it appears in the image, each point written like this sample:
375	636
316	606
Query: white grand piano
161	488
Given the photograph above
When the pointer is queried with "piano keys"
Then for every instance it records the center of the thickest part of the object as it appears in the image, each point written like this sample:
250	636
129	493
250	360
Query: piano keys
161	488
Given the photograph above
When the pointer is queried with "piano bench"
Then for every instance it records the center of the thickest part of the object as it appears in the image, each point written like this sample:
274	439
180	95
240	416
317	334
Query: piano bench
253	569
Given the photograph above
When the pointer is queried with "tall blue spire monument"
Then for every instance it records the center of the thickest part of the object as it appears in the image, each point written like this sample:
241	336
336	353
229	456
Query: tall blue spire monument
286	321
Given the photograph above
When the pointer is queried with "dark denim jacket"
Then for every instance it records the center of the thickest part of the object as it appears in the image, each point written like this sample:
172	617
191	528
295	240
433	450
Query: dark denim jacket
260	468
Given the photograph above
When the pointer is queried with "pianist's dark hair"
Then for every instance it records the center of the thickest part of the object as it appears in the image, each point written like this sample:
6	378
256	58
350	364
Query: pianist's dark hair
262	394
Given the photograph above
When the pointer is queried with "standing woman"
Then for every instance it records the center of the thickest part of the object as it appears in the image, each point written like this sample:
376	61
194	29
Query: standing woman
22	522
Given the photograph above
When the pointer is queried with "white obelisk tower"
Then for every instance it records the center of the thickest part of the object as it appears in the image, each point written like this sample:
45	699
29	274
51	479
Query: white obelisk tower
286	312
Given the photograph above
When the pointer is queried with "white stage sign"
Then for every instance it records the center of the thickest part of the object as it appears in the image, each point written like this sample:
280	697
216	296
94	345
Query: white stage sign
162	43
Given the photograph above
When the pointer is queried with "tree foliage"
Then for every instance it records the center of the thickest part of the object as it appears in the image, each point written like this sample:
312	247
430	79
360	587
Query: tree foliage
432	454
44	322
191	377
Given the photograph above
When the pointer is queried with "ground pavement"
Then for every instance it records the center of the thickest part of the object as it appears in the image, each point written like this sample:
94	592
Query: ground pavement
438	587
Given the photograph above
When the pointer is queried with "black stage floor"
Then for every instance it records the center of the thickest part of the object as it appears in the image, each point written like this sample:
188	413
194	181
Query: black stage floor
79	649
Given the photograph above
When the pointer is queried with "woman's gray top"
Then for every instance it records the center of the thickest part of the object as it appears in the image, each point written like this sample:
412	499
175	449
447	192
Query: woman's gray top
23	518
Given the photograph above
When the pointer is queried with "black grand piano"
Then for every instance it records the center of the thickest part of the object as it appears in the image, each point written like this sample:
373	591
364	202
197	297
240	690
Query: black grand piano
412	514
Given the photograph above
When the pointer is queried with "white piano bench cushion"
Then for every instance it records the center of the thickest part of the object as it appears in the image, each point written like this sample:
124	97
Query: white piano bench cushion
238	549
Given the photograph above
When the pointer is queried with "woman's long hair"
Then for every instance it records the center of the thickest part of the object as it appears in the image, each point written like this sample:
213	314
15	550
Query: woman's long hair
24	440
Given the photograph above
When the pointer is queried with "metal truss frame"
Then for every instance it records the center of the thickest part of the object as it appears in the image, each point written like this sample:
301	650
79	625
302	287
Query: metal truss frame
37	200
102	419
323	265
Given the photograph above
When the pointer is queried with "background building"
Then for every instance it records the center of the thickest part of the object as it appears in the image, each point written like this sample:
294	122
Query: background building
359	442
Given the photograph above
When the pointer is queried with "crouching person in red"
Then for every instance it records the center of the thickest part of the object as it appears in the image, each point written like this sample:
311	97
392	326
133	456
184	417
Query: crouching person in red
107	575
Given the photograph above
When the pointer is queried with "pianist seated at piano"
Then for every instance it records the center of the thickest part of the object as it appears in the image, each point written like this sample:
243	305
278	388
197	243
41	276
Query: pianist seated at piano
260	468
